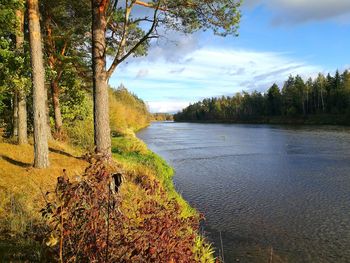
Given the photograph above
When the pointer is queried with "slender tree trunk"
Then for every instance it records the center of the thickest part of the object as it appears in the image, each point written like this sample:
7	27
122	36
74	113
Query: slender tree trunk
55	92
56	105
41	151
15	114
49	132
315	106
303	104
100	86
22	103
22	119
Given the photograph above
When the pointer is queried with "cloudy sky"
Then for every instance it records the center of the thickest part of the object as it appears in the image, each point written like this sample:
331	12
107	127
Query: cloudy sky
276	38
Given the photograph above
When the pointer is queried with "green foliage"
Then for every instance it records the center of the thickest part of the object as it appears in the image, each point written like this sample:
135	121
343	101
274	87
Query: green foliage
127	145
14	64
14	68
77	112
312	101
220	16
204	252
7	16
274	100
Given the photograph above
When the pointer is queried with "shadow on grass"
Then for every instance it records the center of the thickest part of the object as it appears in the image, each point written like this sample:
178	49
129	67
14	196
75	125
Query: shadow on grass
15	162
64	153
24	250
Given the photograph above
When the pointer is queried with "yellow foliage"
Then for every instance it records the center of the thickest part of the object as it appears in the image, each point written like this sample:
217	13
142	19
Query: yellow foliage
126	111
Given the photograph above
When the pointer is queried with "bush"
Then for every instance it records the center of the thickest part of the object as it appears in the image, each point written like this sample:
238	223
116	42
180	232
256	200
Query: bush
127	111
89	222
81	133
78	120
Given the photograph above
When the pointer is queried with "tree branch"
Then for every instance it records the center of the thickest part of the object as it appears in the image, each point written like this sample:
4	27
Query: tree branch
147	36
148	5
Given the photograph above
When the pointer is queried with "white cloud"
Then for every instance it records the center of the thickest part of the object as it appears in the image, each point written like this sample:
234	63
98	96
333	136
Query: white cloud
166	106
173	47
142	73
297	11
170	85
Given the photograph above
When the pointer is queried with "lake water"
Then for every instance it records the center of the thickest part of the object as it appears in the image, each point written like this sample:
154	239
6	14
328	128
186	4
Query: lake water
272	191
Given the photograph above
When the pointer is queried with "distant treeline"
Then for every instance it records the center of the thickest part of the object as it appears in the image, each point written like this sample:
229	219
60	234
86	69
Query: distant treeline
323	100
162	117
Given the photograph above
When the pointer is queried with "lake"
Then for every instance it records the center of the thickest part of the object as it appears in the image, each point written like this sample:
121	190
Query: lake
271	191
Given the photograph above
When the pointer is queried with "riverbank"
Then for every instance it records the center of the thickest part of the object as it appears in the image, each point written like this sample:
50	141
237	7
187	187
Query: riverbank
324	119
23	188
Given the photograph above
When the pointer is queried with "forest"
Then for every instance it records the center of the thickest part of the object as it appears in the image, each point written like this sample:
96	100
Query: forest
76	184
162	117
322	100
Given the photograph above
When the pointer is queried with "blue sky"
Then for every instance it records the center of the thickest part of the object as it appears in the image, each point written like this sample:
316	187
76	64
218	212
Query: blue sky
276	38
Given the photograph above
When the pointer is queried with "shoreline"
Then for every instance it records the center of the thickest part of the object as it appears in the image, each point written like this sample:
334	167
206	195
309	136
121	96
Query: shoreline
314	120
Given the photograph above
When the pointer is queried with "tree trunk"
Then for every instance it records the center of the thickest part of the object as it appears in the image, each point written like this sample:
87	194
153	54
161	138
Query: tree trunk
41	151
56	105
22	119
100	86
22	103
48	123
15	114
55	92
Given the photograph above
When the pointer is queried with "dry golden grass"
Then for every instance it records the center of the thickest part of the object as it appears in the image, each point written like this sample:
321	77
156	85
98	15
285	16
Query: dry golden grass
19	178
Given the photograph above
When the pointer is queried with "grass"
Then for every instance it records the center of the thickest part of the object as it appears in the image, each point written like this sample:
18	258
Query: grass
134	156
22	191
21	194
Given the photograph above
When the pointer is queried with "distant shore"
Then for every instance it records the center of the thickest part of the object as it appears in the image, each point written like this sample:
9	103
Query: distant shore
325	119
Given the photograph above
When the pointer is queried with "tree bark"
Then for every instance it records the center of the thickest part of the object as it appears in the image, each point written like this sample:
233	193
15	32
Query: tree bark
22	103
100	86
56	105
41	152
22	118
15	114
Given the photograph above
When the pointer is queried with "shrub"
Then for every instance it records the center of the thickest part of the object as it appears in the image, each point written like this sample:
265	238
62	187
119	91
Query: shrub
127	111
78	120
89	222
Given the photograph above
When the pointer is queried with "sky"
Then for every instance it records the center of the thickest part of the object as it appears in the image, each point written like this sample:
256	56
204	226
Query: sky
277	38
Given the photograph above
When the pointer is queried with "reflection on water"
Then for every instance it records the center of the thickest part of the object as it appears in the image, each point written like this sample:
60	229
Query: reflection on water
279	190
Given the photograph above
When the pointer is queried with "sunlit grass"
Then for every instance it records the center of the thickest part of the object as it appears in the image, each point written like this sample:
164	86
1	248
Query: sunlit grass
134	156
22	189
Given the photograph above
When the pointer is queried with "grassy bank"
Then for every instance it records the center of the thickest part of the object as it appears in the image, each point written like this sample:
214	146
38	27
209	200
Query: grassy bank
134	156
23	189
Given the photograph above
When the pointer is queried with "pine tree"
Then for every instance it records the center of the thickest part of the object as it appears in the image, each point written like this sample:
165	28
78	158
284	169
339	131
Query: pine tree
41	152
